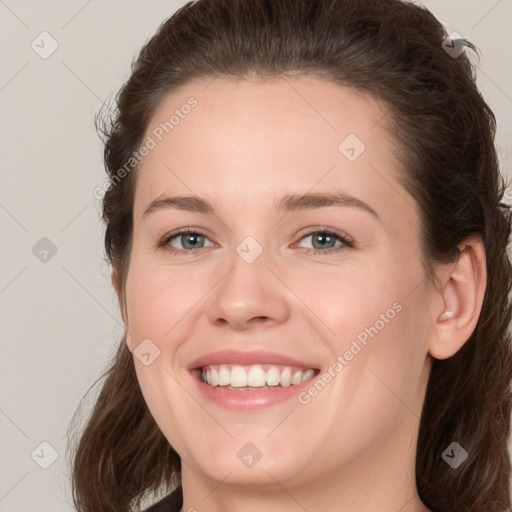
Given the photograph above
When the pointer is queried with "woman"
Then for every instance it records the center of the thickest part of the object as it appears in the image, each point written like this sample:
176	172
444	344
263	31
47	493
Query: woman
304	223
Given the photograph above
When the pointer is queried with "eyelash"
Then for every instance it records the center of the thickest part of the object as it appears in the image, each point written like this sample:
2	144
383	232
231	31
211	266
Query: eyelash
164	241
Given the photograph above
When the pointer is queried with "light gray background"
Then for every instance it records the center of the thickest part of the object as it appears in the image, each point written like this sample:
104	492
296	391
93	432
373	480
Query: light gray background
59	320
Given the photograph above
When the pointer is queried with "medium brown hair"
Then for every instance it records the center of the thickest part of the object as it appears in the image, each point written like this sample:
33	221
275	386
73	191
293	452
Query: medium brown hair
392	50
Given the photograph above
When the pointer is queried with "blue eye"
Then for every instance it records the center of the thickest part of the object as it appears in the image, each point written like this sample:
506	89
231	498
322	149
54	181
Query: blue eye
325	238
187	237
193	238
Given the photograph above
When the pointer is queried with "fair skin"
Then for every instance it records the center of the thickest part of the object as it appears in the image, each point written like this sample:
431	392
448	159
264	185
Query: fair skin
244	146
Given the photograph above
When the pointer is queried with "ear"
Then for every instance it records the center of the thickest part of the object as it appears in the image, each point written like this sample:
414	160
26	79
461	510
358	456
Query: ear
116	283
462	290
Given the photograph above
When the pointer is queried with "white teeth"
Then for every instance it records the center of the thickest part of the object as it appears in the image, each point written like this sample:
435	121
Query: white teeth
238	377
296	378
214	377
273	376
286	377
223	376
307	375
254	376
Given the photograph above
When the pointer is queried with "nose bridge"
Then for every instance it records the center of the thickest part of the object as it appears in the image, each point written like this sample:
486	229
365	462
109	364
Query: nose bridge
249	290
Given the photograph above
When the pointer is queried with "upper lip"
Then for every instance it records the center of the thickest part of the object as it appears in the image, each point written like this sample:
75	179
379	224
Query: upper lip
247	358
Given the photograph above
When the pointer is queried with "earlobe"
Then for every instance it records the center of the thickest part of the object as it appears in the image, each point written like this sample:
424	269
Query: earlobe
462	295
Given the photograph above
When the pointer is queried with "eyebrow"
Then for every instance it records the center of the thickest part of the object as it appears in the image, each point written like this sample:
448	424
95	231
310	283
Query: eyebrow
287	203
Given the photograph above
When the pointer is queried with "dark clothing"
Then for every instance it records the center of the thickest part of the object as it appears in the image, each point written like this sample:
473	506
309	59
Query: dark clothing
171	503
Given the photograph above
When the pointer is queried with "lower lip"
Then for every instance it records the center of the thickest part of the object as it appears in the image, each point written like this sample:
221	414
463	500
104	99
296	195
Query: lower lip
249	399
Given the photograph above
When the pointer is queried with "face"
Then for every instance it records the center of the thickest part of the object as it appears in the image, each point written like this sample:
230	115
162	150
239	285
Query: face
277	283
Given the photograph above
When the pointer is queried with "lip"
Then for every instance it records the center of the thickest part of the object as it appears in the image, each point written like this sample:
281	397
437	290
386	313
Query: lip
248	399
248	358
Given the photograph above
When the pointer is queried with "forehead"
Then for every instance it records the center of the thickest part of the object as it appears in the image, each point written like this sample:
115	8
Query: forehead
254	141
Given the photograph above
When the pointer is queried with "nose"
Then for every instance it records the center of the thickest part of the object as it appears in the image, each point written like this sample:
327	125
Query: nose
249	295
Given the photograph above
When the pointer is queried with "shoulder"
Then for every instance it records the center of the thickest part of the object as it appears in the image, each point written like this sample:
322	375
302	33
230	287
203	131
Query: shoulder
171	503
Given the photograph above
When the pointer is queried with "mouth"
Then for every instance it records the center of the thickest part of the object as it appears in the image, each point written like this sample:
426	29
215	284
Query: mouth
236	377
248	381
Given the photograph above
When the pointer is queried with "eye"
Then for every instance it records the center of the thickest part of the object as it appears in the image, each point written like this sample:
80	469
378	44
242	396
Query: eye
324	242
190	238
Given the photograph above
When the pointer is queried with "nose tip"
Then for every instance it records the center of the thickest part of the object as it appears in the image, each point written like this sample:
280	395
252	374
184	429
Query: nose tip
248	295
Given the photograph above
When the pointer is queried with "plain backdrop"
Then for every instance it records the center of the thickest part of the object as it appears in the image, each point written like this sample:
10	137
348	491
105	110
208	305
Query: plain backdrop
60	322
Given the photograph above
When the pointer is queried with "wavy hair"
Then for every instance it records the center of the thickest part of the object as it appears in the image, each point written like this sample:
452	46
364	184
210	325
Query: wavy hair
393	51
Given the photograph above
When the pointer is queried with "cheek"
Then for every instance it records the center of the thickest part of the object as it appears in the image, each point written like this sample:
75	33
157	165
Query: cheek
157	303
377	322
167	402
352	300
157	299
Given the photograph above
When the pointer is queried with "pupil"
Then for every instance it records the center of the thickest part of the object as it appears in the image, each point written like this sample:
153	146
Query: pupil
188	237
323	237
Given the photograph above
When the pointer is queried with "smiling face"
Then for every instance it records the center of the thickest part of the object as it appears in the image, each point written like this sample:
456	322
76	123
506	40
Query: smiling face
355	311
